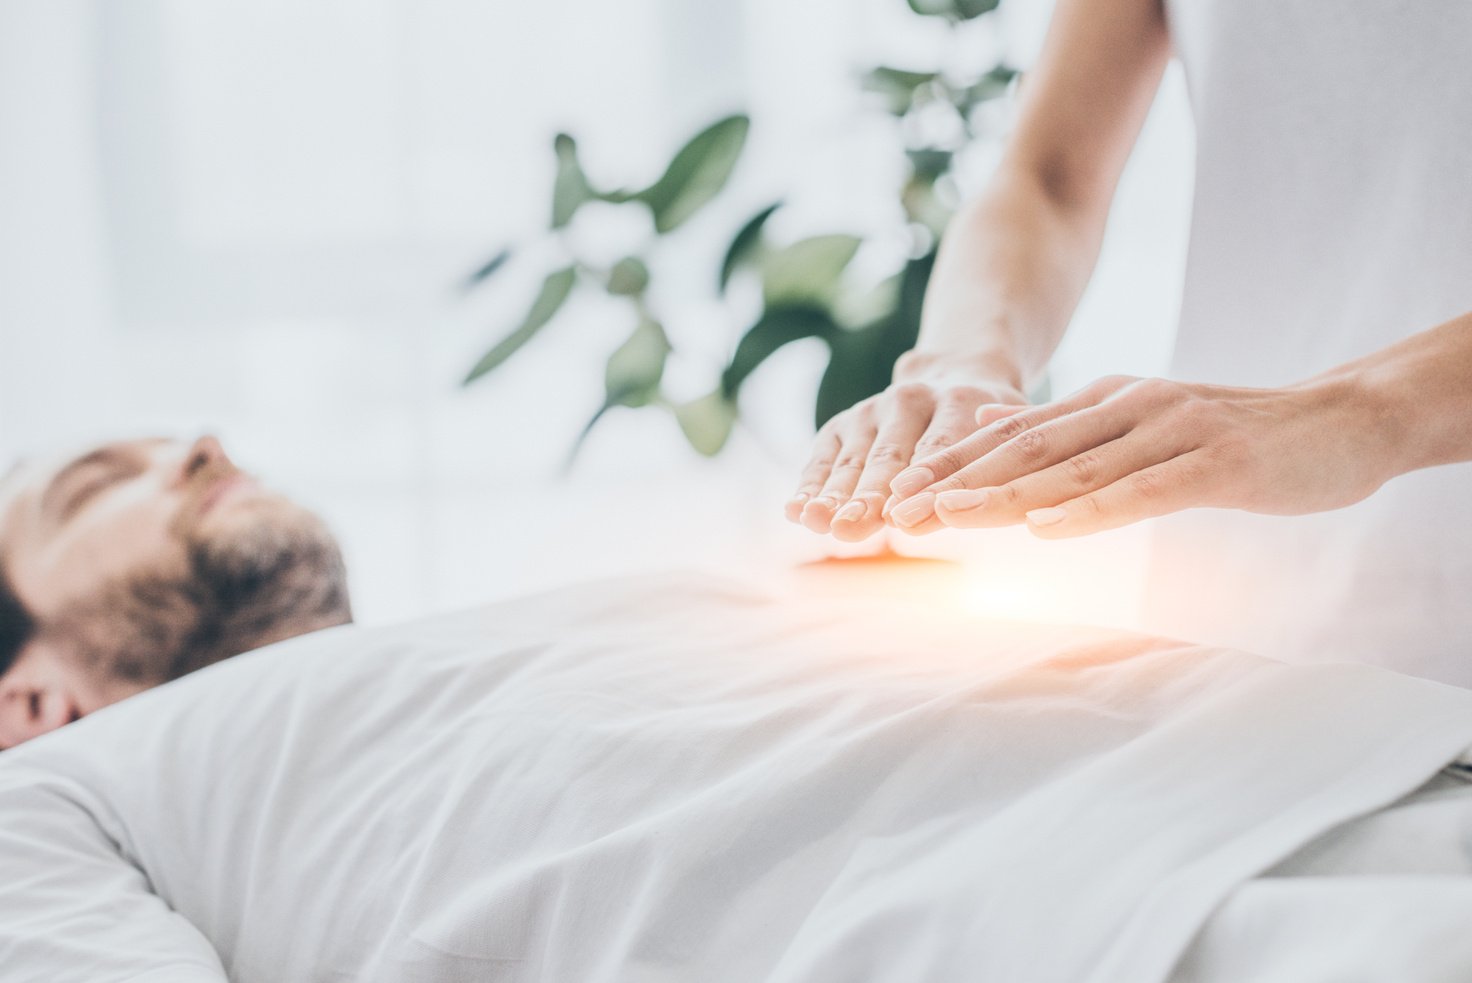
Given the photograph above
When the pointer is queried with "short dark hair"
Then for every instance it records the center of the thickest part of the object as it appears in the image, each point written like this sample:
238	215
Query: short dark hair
16	624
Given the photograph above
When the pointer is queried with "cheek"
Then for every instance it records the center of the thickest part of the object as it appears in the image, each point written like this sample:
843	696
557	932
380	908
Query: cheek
126	534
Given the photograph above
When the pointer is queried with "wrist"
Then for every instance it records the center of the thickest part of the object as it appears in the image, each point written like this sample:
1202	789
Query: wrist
985	369
1379	418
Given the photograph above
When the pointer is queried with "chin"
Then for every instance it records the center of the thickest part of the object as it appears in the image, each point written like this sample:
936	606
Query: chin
263	531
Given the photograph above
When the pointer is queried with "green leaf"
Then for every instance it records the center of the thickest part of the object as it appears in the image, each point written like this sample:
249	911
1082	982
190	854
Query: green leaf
697	173
933	8
570	189
808	271
854	372
929	163
861	307
914	279
970	9
862	362
629	277
778	326
990	86
488	269
898	86
924	206
620	196
555	290
954	9
631	377
635	368
748	240
707	422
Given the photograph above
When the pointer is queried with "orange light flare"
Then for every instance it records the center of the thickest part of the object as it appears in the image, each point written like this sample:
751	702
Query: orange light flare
1008	575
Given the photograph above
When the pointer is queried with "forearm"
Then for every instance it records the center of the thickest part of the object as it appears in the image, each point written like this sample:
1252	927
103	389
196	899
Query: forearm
1421	389
1010	273
1016	260
1122	450
1011	269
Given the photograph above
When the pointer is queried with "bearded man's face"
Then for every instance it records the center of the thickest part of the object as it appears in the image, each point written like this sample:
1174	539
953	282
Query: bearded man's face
141	560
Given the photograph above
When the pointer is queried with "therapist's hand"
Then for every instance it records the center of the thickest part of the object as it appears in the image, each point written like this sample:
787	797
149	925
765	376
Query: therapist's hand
1126	449
857	454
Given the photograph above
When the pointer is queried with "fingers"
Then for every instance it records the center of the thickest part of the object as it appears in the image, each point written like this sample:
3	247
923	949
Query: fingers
1018	444
853	450
926	471
1091	468
915	487
916	515
825	452
891	451
858	455
952	423
989	413
1180	483
954	420
1071	438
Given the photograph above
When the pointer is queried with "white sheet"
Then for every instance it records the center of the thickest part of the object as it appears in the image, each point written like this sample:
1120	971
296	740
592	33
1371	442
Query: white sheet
678	779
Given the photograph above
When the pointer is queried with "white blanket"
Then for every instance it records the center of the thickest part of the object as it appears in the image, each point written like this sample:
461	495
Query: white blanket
678	779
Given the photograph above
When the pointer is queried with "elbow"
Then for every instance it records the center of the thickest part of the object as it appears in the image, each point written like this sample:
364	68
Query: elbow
1067	184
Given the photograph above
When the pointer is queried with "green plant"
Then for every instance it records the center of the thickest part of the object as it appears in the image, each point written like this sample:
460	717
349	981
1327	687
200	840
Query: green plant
806	287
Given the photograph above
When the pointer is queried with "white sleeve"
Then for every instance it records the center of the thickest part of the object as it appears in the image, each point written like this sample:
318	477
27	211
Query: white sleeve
73	908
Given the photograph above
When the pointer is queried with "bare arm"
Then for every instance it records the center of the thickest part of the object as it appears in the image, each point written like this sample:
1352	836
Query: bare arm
1122	450
1013	265
1016	260
1421	391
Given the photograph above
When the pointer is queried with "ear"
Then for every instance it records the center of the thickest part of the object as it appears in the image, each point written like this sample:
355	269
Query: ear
37	695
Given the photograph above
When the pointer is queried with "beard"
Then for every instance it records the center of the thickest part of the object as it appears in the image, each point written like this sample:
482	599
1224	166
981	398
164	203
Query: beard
263	570
263	548
264	574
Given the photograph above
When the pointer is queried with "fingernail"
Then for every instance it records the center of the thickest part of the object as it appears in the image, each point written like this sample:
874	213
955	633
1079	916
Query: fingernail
961	499
914	511
889	504
1046	517
818	514
852	512
910	481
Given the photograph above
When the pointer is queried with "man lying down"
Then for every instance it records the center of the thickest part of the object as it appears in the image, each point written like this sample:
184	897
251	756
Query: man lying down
139	561
681	778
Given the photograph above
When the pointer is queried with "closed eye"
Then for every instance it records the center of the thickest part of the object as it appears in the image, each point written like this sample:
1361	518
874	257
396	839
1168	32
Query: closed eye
89	487
86	478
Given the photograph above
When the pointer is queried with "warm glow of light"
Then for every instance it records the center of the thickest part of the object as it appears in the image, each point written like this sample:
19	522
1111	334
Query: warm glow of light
1040	585
992	600
1009	576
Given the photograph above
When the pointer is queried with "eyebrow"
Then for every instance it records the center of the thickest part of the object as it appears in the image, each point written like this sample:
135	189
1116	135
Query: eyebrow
53	497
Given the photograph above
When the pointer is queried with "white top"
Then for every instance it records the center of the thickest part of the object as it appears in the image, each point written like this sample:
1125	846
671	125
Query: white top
1332	218
676	779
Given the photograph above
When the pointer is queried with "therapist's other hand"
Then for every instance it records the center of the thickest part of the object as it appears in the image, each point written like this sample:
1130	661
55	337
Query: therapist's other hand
1126	449
844	488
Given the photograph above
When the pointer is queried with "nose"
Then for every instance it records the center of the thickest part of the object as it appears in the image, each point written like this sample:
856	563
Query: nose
204	453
